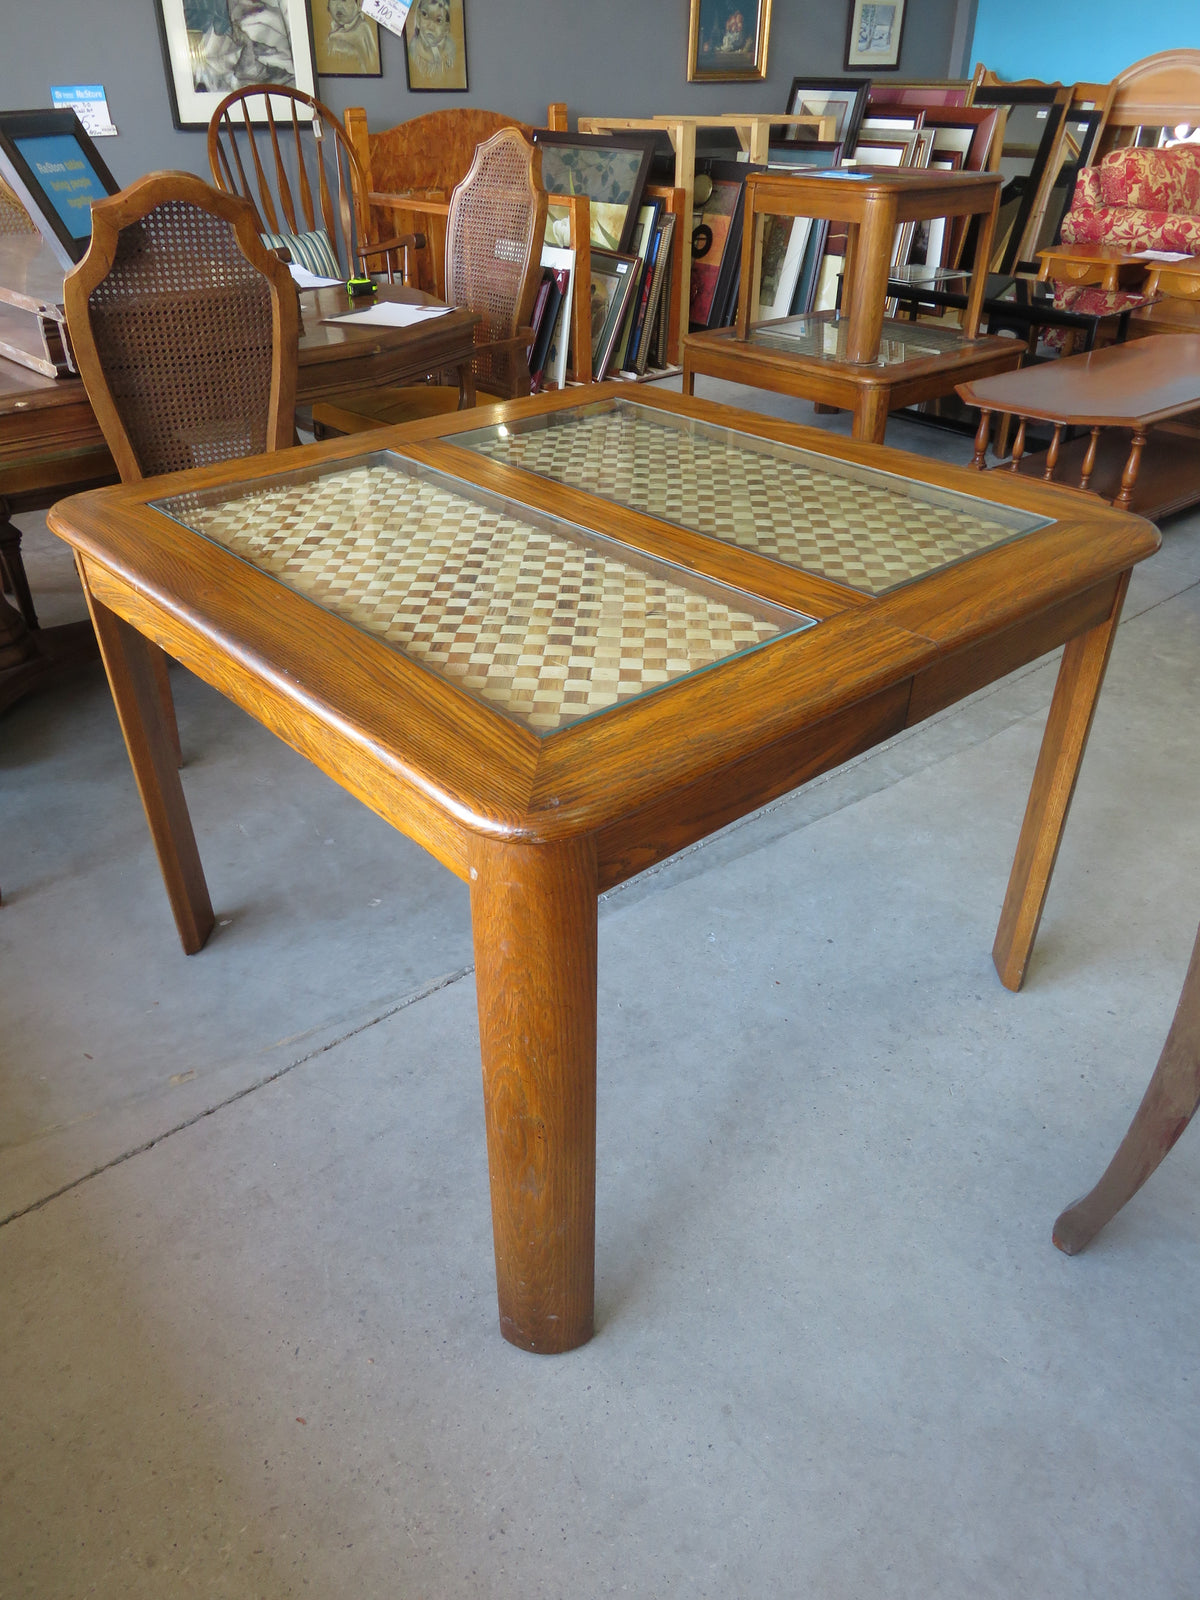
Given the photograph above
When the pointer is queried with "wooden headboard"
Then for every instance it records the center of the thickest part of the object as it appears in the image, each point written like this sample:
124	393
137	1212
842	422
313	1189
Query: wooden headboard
1159	91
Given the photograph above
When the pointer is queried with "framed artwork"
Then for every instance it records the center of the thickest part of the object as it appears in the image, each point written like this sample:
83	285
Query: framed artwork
435	46
843	98
727	40
873	35
611	169
211	47
614	278
345	42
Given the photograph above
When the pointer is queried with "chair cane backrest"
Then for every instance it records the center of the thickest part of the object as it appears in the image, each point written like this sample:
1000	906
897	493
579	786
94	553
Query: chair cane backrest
184	328
494	239
290	157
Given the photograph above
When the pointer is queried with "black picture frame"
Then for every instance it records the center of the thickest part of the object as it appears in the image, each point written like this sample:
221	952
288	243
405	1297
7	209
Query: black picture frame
873	59
435	47
192	105
1020	189
818	93
32	175
585	171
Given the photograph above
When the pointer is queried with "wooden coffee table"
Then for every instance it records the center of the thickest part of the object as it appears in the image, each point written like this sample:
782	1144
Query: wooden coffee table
560	640
1132	387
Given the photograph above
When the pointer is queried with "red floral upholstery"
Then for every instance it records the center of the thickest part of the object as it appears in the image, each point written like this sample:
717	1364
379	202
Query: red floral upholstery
1139	200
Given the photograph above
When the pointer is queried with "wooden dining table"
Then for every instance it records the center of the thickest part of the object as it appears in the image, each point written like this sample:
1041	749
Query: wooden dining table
558	640
51	443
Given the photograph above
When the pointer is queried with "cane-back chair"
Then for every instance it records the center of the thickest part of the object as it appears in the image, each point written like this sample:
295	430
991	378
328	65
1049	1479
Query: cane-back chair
494	235
185	330
291	158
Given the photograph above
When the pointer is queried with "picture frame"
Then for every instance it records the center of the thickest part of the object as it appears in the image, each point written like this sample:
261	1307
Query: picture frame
614	279
611	169
56	172
206	54
345	40
435	47
727	41
1033	116
874	33
844	98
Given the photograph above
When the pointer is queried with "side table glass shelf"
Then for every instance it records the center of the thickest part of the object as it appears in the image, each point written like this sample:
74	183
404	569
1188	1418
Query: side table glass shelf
541	619
859	526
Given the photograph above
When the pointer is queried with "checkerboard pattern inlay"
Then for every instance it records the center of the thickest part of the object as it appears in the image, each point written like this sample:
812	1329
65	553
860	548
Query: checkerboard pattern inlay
544	627
862	531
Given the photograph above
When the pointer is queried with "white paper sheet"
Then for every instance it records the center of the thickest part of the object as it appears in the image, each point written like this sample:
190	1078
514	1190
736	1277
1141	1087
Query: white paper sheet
387	314
304	279
1163	255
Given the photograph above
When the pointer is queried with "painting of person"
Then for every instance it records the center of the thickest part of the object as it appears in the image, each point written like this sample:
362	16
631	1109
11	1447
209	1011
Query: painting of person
729	38
347	42
435	45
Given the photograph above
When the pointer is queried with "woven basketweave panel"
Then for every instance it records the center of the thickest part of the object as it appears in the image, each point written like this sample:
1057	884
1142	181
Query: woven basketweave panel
866	534
182	325
545	628
491	237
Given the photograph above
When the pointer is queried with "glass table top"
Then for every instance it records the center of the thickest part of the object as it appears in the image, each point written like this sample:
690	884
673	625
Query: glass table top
858	526
822	337
542	619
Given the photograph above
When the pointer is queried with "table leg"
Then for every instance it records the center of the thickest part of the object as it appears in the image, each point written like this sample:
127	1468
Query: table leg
870	415
979	459
466	386
13	567
1089	459
871	255
1168	1106
129	662
1063	743
533	914
1129	477
688	380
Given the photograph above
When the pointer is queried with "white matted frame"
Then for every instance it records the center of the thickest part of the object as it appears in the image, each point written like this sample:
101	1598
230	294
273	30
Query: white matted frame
873	35
211	47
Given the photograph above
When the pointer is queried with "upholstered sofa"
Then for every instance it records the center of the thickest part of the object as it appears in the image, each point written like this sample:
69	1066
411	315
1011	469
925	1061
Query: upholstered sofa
1134	199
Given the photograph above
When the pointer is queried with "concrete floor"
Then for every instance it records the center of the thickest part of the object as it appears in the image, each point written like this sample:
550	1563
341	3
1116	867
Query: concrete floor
248	1341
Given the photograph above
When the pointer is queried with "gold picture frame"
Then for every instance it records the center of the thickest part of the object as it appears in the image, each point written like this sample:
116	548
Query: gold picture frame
727	40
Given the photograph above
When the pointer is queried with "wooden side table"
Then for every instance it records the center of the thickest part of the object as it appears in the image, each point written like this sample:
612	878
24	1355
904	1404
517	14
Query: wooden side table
855	359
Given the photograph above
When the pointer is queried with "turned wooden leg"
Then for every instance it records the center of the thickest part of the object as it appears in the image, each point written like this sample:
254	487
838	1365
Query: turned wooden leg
979	459
1089	459
129	662
1129	477
688	381
533	915
1168	1106
1063	743
1052	453
1018	449
466	386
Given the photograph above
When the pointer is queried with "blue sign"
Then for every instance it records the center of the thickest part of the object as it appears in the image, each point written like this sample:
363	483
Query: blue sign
67	178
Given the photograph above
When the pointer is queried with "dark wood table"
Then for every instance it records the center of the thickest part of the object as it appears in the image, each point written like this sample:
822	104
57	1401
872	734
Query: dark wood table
50	443
1128	387
856	359
559	640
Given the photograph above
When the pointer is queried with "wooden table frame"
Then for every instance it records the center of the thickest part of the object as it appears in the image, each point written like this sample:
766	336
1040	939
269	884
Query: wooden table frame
540	826
872	203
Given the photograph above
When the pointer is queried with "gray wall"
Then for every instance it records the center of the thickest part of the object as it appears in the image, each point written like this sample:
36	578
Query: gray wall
616	58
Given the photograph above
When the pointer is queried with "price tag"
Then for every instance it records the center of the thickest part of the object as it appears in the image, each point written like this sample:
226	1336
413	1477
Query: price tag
389	14
89	103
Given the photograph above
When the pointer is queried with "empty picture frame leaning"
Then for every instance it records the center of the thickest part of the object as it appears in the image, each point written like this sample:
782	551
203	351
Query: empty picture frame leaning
843	98
435	46
727	40
211	47
873	34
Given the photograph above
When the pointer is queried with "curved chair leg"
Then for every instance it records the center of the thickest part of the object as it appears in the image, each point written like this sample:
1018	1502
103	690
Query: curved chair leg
1168	1106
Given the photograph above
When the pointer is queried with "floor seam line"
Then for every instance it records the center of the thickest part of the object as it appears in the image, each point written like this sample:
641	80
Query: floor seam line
434	986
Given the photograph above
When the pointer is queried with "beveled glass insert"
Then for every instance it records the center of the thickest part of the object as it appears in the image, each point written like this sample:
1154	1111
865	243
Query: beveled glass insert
822	337
542	619
858	526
